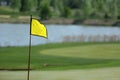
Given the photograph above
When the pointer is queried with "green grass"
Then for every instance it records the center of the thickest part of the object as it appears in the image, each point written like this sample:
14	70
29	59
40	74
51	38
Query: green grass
62	56
112	73
104	51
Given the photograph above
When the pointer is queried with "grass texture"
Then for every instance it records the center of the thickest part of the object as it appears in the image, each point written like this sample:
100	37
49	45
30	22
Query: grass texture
112	73
62	56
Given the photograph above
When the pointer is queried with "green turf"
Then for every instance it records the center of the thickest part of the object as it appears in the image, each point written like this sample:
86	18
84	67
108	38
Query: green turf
104	51
57	57
112	73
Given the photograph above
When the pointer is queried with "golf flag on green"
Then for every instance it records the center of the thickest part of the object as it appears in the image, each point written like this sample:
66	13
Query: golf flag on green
38	29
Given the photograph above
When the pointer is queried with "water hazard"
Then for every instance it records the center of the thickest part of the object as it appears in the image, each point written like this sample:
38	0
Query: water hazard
18	34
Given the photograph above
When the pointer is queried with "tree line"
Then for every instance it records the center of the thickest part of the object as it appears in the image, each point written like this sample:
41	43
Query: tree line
77	9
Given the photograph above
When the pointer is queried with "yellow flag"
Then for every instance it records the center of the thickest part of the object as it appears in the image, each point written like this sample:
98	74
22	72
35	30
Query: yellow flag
38	29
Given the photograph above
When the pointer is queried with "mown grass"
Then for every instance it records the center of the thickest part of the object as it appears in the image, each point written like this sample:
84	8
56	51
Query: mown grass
112	73
89	51
16	57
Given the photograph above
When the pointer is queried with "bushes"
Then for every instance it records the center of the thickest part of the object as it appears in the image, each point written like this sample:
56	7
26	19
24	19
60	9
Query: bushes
100	9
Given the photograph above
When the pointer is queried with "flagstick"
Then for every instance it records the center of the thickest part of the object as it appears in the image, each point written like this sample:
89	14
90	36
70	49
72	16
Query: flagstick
29	52
29	58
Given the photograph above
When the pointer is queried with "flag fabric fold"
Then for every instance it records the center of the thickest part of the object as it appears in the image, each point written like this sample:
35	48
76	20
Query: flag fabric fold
38	29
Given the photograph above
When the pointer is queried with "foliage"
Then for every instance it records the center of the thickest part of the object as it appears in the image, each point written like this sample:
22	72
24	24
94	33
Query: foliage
101	9
15	4
44	10
25	6
66	12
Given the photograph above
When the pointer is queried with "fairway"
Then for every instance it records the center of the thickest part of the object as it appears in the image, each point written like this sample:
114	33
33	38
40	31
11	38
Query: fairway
61	56
112	73
98	51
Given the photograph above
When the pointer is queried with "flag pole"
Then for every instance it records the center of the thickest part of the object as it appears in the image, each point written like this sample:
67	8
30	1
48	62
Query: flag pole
29	50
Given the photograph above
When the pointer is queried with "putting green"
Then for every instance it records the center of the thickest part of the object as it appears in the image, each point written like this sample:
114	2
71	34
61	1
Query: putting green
96	51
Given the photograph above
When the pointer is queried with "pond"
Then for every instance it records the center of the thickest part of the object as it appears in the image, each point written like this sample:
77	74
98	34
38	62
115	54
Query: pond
18	34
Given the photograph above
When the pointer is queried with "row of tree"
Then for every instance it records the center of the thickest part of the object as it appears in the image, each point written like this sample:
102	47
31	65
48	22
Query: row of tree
81	9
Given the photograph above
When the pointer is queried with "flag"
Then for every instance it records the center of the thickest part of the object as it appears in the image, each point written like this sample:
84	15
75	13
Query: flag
38	29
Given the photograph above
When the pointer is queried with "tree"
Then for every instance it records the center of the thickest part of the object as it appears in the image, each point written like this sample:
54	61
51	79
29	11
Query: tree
66	12
54	5
38	4
44	10
115	8
15	4
25	6
87	8
74	4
